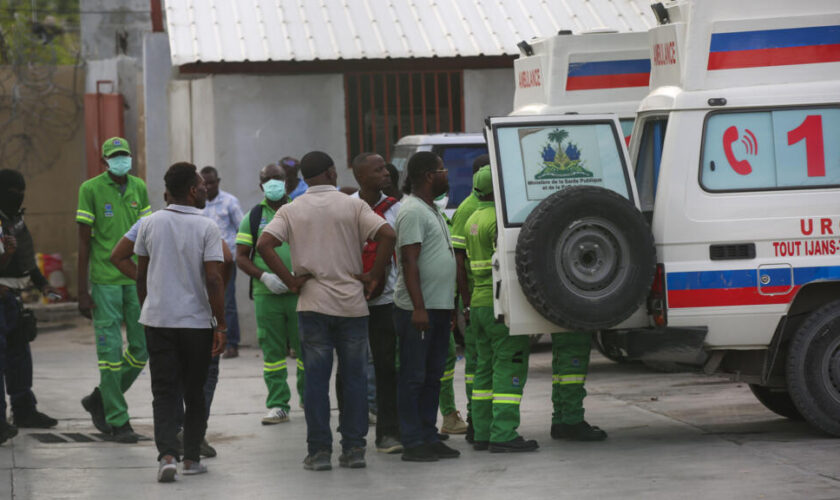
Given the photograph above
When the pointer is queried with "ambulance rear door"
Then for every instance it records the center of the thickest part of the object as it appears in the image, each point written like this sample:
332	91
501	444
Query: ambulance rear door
533	157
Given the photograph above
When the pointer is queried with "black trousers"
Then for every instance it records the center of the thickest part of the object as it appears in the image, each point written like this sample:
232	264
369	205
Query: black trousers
179	357
383	347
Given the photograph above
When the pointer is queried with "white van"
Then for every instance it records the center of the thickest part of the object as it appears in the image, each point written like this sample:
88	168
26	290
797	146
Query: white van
736	169
458	150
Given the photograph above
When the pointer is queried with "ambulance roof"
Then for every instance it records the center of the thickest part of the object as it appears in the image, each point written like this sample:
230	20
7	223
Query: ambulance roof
745	51
604	72
442	138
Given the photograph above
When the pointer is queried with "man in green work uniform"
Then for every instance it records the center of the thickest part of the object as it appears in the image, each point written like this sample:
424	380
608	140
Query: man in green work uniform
465	286
452	421
502	358
277	320
569	366
109	204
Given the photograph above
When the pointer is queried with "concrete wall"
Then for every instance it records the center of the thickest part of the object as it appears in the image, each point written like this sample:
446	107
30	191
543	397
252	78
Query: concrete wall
487	92
156	76
44	140
105	22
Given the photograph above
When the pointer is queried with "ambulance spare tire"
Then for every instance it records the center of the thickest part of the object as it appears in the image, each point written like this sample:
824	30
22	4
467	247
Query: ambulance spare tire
585	258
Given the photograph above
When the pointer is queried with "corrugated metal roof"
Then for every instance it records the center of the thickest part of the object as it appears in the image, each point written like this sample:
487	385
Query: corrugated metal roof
307	30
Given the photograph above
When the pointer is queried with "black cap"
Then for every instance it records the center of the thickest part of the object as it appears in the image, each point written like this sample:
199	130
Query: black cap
314	164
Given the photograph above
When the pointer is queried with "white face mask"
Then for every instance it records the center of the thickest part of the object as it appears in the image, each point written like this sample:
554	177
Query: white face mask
442	201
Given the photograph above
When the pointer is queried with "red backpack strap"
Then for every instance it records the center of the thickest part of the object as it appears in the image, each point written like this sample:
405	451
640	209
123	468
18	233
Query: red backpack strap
384	205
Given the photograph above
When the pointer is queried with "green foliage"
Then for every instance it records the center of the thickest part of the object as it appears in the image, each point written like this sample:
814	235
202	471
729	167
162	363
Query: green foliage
39	32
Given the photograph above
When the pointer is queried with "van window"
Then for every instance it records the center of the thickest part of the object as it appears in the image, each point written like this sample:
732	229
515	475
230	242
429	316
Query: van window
649	160
540	159
774	149
626	129
458	159
401	155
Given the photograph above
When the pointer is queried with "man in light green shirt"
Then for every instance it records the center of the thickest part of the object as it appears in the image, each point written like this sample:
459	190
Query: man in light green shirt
424	297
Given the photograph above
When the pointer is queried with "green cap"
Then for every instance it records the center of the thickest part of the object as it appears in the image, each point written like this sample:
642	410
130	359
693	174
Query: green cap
115	145
483	181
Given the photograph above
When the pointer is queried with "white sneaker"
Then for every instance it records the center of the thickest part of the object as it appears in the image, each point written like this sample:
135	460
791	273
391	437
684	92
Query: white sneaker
167	470
193	468
275	416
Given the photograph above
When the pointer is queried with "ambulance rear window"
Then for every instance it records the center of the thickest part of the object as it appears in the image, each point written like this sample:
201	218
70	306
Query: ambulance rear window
792	148
539	159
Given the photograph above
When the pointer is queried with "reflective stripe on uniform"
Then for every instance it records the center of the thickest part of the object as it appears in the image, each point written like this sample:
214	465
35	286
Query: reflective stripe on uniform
146	211
481	265
458	241
300	364
448	375
85	216
507	399
244	239
132	361
468	378
274	367
482	394
114	367
568	379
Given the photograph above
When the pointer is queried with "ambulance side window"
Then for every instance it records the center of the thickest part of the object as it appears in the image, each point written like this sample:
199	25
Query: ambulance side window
649	161
771	149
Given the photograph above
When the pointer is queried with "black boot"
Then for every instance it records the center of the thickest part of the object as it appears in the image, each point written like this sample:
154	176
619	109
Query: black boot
7	431
580	431
33	419
516	445
124	434
470	436
93	404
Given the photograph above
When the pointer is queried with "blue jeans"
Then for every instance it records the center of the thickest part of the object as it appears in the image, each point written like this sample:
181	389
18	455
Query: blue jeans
15	360
231	316
320	334
422	361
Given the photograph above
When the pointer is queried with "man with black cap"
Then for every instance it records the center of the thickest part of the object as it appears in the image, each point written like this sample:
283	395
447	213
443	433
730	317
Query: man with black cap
17	271
325	231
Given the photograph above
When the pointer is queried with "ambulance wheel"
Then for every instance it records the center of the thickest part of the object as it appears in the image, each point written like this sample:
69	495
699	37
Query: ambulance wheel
776	400
585	258
813	368
609	349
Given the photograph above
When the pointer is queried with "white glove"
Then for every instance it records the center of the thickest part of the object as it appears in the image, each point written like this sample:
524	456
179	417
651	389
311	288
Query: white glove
273	283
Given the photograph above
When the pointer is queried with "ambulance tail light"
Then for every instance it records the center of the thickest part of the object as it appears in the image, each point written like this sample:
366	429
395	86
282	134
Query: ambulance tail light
657	306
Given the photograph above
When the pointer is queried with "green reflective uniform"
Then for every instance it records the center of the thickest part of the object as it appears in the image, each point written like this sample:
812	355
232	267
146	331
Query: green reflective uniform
447	381
459	242
277	320
569	366
502	368
110	212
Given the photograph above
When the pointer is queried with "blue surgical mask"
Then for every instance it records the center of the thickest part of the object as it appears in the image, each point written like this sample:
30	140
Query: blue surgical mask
274	189
119	165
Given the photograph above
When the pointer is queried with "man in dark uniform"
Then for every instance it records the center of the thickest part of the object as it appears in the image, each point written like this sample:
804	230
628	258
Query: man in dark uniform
17	272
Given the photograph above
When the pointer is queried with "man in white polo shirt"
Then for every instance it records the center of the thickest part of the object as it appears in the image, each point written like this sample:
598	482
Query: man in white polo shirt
180	286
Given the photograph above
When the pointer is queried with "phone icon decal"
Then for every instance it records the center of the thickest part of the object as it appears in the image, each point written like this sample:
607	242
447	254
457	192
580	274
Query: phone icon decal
730	136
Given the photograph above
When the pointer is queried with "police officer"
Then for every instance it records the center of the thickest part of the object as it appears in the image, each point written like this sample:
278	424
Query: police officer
502	358
17	271
569	366
465	287
277	320
109	204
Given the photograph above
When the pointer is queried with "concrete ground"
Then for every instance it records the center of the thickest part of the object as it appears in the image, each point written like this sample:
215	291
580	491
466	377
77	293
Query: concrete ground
672	436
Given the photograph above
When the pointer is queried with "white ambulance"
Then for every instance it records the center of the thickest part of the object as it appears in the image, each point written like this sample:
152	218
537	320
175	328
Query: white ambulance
737	165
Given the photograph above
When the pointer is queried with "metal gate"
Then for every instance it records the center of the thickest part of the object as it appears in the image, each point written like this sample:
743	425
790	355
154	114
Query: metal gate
383	106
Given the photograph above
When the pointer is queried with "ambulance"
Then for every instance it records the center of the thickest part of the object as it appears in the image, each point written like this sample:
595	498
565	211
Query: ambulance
736	165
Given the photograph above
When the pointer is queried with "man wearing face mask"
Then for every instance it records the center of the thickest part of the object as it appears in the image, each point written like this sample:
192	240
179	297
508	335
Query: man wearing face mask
109	204
17	271
277	321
